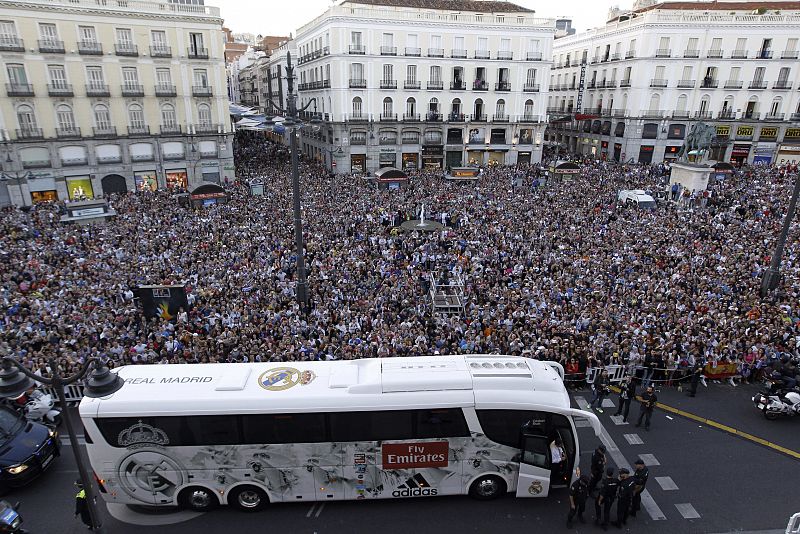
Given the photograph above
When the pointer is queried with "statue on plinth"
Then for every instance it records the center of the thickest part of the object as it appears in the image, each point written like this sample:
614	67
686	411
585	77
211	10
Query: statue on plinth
697	143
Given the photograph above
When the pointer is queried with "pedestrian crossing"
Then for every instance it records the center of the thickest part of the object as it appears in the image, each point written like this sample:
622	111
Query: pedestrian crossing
666	483
687	511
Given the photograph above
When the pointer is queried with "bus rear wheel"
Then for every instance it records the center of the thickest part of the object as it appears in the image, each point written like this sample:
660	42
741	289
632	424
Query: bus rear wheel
198	499
487	487
248	498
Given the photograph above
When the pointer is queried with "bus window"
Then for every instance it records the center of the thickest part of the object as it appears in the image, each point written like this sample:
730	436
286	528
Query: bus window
283	428
503	426
372	426
536	451
442	423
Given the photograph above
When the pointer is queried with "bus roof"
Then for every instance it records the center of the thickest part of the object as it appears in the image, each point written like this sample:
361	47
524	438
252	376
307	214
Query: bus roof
483	381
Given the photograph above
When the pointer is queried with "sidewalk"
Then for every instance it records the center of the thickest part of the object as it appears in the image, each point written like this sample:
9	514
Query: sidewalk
733	407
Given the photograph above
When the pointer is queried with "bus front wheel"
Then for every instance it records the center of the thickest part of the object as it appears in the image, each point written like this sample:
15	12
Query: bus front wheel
248	498
198	499
487	487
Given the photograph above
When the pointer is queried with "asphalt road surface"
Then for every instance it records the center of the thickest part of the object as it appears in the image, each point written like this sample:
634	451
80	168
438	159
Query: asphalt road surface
702	480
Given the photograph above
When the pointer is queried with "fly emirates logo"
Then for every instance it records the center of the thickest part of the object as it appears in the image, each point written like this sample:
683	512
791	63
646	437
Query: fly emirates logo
409	455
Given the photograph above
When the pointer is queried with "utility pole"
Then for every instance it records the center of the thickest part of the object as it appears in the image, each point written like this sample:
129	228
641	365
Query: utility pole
769	282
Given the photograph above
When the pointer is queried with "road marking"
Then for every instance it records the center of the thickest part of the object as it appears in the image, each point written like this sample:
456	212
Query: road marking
649	460
726	428
633	439
611	448
608	403
319	510
618	420
122	512
582	423
311	510
65	441
687	511
666	483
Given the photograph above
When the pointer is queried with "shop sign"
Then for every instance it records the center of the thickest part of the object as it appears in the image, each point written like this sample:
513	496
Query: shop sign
792	133
744	131
433	150
387	150
723	131
741	150
768	132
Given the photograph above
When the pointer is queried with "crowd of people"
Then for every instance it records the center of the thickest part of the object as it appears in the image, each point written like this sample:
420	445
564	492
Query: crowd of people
551	269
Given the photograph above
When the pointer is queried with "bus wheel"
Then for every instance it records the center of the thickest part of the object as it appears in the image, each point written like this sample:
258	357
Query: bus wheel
198	499
248	498
487	487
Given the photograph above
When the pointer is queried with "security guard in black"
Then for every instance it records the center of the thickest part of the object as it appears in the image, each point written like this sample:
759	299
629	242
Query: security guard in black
598	466
606	497
640	476
578	493
626	486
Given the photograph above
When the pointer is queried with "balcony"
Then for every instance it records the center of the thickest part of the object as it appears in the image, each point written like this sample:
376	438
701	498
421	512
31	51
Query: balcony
60	89
51	46
388	50
482	54
19	89
500	118
702	114
202	90
529	118
138	130
795	117
357	117
388	84
30	133
592	84
757	84
413	51
160	51
433	116
708	83
595	59
774	116
458	85
618	113
194	52
658	82
664	52
630	54
739	54
104	131
480	85
68	132
790	54
502	86
11	44
764	54
170	129
625	83
435	86
458	53
207	128
478	118
530	88
652	113
686	84
132	89
680	114
411	117
98	89
388	117
410	84
165	90
356	83
782	85
534	56
35	164
456	117
126	49
715	54
505	54
691	53
357	49
616	56
726	114
733	84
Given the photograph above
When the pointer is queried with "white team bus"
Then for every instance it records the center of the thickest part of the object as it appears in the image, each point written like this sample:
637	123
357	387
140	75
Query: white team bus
198	436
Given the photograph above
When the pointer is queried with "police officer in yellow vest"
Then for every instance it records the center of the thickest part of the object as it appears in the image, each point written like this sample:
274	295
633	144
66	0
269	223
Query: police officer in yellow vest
81	506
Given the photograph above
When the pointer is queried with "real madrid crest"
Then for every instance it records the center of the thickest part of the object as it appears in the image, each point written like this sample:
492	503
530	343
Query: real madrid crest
535	488
281	378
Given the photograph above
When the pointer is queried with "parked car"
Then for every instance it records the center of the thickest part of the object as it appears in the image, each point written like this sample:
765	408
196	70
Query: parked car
638	197
26	449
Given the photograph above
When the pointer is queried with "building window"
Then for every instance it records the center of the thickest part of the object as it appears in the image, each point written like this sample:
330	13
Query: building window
87	34
26	118
387	107
411	107
501	108
102	118
8	32
163	77
168	115
357	107
57	76
94	77
204	114
196	44
130	77
201	78
17	75
136	116
64	117
528	109
124	38
48	33
159	39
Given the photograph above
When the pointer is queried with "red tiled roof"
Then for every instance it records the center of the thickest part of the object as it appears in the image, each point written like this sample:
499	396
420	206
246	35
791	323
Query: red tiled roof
477	6
725	6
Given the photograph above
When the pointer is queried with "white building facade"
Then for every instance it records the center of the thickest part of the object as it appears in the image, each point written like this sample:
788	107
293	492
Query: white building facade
632	89
421	84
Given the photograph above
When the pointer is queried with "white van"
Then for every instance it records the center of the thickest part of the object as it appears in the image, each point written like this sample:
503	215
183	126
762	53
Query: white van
638	197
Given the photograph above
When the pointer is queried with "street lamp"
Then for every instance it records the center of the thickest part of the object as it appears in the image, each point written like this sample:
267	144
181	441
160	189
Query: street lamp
773	275
16	379
293	123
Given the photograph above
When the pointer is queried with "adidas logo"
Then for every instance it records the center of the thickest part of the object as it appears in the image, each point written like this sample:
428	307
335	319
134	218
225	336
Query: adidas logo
415	486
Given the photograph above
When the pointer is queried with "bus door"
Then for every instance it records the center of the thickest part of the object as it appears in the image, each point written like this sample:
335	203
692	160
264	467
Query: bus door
560	475
534	467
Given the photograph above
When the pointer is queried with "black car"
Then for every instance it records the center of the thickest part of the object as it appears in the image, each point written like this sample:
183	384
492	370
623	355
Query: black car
26	449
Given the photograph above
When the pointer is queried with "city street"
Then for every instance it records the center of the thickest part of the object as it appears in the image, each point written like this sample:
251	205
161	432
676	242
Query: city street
699	478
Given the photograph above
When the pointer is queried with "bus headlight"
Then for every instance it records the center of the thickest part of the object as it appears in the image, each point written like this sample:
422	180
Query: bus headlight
16	469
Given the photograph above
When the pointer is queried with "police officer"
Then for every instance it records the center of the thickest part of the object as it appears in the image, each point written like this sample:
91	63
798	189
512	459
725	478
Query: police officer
648	404
626	488
578	493
606	497
694	379
640	476
598	466
627	392
81	506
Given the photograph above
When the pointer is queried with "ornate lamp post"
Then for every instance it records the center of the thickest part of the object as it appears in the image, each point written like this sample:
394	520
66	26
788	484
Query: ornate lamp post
772	275
15	380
